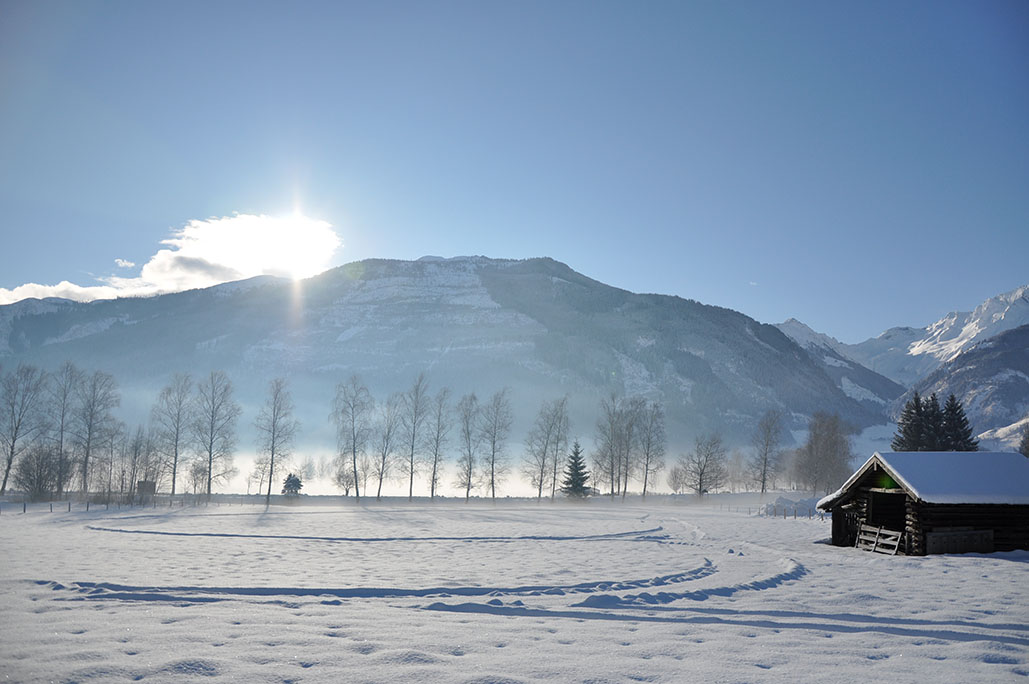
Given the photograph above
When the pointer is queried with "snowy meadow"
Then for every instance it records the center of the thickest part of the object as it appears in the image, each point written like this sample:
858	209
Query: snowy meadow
512	592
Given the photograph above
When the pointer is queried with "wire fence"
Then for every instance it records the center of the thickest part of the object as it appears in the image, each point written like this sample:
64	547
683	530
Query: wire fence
155	502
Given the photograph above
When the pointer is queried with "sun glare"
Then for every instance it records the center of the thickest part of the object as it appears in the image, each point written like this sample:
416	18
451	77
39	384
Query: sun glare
293	246
301	247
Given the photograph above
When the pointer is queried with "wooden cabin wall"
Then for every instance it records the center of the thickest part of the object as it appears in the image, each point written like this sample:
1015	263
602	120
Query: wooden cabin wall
1010	524
914	533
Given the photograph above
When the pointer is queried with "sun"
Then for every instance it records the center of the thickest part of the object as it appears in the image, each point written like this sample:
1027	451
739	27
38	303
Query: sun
297	246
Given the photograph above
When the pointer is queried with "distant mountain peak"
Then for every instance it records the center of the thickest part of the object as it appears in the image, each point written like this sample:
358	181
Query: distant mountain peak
808	338
907	354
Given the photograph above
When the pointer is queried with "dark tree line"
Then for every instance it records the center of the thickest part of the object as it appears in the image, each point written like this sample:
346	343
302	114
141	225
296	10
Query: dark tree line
924	426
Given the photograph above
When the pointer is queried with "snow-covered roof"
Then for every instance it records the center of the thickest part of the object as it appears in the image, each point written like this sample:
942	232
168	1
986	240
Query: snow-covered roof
951	477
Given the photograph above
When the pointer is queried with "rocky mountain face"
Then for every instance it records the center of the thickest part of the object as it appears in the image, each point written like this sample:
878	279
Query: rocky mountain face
873	390
992	381
471	324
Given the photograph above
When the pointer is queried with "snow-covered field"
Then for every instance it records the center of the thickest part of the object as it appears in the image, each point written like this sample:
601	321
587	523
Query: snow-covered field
516	592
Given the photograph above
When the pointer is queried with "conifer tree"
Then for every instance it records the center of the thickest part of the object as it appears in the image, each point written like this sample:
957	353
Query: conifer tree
576	478
932	426
957	433
909	428
292	485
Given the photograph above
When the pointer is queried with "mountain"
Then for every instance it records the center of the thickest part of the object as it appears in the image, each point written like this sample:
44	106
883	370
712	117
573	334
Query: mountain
874	391
992	381
907	355
470	323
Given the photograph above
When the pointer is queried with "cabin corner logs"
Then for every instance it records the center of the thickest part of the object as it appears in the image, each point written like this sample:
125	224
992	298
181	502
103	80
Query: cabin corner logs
874	499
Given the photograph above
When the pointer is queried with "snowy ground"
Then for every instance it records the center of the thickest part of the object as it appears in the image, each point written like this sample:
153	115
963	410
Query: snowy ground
518	592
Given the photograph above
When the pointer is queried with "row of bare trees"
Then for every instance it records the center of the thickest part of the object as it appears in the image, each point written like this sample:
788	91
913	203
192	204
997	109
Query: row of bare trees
52	424
58	430
630	444
59	427
820	464
409	433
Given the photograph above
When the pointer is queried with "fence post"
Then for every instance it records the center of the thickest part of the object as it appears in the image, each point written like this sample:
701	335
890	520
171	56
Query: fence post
69	505
24	506
87	505
51	506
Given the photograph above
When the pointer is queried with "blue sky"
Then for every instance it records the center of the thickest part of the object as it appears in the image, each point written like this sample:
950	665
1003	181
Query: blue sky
854	165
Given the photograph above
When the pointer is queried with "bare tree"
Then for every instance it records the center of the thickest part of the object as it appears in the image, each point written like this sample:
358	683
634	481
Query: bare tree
651	442
197	474
536	463
494	426
413	417
677	479
64	390
276	428
135	454
97	398
618	441
142	461
823	462
35	473
765	462
308	469
22	418
544	444
258	474
607	455
114	441
344	479
215	413
632	410
561	424
365	470
172	417
469	438
438	432
351	411
705	465
387	432
736	471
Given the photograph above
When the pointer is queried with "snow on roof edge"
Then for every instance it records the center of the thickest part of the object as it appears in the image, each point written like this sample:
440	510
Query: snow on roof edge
1007	477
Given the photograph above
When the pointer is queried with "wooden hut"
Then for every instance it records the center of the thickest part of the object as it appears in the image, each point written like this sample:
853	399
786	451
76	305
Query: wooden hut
923	502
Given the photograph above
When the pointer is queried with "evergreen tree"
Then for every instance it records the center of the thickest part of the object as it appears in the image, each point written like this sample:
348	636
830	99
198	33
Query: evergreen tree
576	478
1023	448
909	428
932	426
292	485
957	433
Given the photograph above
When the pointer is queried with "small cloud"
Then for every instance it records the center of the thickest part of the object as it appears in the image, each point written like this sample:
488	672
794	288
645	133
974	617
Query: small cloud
208	252
752	283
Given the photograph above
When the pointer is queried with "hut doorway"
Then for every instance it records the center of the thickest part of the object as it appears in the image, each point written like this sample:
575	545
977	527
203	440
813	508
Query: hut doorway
886	508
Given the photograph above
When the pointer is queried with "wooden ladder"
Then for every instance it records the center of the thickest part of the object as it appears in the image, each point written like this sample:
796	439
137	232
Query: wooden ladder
878	540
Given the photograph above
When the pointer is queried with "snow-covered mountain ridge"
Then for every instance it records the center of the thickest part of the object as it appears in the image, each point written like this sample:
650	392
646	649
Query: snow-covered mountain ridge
979	356
472	324
909	354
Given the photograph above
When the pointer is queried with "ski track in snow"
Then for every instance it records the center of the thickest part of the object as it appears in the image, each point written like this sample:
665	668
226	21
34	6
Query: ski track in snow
614	535
688	600
88	590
